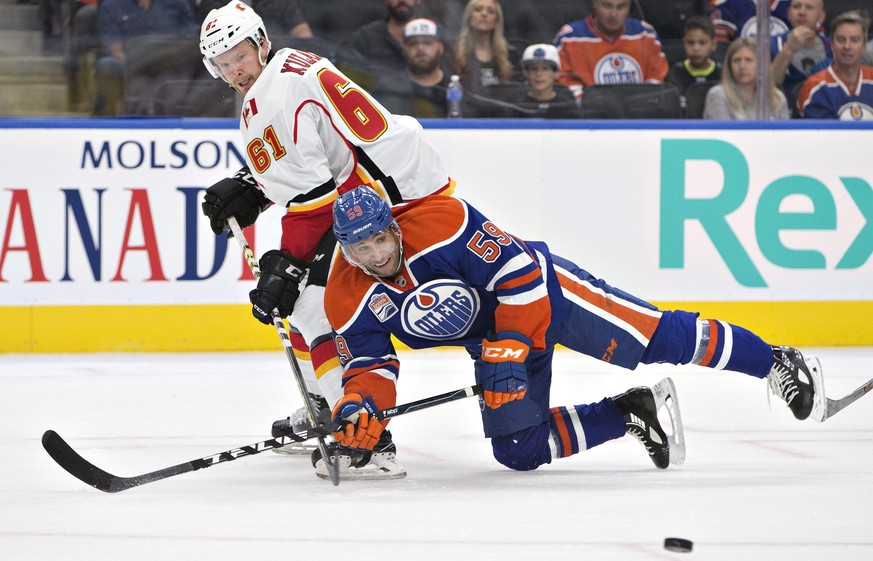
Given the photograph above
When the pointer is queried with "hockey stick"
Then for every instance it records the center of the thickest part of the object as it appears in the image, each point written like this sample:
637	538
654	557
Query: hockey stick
85	471
332	467
837	405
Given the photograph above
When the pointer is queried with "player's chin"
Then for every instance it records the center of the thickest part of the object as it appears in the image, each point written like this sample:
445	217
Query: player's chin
387	269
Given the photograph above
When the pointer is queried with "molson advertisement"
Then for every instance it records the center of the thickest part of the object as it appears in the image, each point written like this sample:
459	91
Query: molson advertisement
103	246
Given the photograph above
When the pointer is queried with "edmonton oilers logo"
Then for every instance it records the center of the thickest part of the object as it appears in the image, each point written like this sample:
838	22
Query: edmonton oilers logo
855	111
617	68
750	28
439	310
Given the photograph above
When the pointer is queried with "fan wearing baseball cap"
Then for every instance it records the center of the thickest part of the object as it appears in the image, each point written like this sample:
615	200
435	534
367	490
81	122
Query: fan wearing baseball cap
545	98
421	90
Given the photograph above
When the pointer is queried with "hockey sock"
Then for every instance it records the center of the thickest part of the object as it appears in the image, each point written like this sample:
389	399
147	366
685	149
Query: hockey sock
320	366
681	338
579	427
569	430
328	369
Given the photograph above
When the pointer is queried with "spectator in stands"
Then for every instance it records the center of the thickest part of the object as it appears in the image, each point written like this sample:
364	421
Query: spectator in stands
734	97
801	52
482	55
545	98
738	18
285	22
843	90
121	23
608	47
54	15
447	14
377	47
282	17
420	90
84	42
698	40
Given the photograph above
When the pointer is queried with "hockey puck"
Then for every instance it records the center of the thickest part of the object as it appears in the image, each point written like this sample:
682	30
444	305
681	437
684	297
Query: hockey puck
678	544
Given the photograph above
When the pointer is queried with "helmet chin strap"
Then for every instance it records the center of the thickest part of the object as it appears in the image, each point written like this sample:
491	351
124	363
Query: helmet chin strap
269	56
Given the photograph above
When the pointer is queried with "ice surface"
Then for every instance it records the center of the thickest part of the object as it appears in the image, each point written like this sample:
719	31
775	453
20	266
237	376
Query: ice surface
757	484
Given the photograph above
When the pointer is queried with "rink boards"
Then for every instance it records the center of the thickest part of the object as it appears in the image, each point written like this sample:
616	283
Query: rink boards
103	247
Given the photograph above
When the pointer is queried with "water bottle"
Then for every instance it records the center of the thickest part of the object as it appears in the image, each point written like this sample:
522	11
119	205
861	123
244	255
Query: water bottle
454	97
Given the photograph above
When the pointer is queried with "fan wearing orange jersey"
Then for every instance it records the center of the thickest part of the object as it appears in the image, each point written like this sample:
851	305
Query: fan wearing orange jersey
608	47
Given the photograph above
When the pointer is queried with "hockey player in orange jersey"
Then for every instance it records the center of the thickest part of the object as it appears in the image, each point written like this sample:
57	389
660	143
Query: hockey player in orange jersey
437	272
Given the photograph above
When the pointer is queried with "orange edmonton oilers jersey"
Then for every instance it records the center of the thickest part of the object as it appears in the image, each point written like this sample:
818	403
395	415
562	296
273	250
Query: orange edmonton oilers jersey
590	57
825	95
462	278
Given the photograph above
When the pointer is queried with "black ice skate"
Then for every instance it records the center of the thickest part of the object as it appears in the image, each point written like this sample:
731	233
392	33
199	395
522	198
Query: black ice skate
640	408
798	381
381	463
299	422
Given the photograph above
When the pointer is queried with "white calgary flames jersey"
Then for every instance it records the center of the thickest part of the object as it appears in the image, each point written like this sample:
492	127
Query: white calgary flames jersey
310	132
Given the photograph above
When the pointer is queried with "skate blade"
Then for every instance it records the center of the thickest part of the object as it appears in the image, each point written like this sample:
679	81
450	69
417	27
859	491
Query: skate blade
296	449
363	474
665	396
819	402
377	469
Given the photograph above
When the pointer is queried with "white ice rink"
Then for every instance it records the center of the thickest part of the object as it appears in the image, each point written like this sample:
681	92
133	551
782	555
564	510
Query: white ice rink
756	485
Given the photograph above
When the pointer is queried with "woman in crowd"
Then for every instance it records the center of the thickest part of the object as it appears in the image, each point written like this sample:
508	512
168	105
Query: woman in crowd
483	58
734	97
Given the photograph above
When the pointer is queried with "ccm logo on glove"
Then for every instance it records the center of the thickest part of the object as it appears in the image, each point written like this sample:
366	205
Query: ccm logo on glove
502	373
505	350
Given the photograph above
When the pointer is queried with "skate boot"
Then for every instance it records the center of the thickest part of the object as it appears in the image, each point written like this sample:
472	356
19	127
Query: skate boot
299	422
380	463
640	407
798	381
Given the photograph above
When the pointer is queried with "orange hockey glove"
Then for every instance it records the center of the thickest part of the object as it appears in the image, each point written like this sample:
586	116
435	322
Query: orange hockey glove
502	373
359	426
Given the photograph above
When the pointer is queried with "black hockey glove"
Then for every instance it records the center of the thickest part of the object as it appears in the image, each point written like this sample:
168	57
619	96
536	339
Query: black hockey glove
237	196
278	286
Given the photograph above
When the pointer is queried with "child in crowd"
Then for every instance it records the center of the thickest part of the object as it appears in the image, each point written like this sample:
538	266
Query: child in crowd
545	98
699	42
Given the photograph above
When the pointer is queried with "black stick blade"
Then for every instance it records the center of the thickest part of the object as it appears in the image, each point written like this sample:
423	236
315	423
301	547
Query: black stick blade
76	465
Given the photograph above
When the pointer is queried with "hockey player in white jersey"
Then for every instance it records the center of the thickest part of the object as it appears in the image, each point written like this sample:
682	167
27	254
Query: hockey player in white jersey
309	133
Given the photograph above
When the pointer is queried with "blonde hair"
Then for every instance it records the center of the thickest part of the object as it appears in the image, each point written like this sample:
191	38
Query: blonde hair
464	45
728	80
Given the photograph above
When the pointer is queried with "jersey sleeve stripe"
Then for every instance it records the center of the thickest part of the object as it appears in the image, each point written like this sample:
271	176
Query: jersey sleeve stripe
388	369
511	268
527	278
525	297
